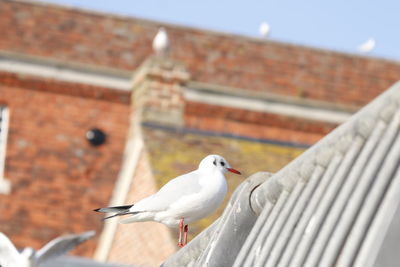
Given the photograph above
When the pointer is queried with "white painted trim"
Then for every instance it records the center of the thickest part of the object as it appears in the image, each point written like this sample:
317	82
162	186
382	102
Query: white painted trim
5	185
133	150
268	106
221	96
64	73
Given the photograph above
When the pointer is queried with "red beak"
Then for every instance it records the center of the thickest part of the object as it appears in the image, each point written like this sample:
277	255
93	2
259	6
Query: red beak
233	170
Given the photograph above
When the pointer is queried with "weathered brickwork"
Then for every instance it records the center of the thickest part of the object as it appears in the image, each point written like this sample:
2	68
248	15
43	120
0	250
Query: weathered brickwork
69	88
57	178
253	124
124	43
158	91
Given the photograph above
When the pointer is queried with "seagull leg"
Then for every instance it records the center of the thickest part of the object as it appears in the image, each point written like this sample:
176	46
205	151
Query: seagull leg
185	231
181	224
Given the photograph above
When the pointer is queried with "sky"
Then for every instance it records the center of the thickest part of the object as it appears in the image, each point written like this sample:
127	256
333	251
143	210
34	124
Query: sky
340	25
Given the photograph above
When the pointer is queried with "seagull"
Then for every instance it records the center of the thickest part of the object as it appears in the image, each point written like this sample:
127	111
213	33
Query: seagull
10	257
264	29
184	199
367	47
161	42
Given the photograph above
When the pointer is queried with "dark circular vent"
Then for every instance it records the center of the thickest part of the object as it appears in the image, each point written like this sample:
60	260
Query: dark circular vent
96	137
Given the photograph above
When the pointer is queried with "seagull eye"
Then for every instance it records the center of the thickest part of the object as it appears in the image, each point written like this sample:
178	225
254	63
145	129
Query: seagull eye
222	163
215	162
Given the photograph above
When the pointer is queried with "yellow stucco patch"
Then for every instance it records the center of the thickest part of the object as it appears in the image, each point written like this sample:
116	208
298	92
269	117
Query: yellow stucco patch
175	153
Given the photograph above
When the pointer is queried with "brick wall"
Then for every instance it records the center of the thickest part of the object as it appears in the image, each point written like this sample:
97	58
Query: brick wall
259	125
57	177
158	87
69	88
124	43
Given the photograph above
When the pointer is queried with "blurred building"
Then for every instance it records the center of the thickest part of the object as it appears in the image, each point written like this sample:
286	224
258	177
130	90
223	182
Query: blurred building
66	71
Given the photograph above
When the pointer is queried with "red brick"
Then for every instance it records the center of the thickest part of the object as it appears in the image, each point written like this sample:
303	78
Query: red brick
52	169
210	57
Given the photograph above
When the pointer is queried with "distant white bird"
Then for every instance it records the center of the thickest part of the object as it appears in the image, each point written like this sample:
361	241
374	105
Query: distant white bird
10	257
182	200
264	29
367	47
161	42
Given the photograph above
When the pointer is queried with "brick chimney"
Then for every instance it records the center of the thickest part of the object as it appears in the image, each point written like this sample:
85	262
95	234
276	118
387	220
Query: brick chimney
158	91
157	97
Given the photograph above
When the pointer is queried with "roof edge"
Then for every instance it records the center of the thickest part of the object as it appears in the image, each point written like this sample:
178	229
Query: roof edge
241	92
209	31
65	71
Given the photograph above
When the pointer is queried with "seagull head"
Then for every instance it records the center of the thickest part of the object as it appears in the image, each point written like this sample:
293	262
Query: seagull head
216	162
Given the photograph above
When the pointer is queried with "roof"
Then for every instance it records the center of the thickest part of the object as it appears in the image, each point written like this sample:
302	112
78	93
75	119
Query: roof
335	205
90	38
41	84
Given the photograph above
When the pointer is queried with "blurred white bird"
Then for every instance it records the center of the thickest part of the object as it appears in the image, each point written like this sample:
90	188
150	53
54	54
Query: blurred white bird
10	257
182	200
367	47
264	29
161	42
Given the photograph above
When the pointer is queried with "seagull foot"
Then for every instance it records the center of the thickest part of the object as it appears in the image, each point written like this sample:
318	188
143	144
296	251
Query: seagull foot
185	231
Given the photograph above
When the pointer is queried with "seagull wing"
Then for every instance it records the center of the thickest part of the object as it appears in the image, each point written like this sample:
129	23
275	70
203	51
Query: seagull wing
9	255
161	42
171	192
368	46
61	245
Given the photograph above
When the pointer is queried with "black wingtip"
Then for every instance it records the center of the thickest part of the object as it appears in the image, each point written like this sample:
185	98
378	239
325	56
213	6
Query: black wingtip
98	210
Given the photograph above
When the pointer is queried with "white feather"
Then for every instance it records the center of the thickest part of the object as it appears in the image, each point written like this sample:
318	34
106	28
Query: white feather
264	29
161	42
367	47
10	257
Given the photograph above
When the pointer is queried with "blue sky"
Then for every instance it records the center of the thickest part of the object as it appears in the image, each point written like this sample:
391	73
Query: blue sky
339	25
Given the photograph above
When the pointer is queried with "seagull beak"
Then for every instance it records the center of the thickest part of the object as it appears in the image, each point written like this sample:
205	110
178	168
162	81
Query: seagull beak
233	170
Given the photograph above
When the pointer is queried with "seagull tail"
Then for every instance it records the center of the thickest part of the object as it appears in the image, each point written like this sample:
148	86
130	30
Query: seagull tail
117	209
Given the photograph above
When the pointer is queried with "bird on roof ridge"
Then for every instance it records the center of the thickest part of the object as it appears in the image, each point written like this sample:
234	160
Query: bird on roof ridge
184	199
367	46
264	29
161	42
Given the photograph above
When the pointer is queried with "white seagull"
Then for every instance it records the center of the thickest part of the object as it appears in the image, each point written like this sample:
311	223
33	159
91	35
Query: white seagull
161	42
10	257
367	47
184	199
264	29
